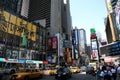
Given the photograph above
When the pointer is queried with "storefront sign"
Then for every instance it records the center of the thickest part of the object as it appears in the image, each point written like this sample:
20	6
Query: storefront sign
21	61
29	61
1	59
45	62
39	62
32	61
11	60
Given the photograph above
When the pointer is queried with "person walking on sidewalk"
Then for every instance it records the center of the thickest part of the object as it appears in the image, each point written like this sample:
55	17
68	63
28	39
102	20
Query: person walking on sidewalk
106	74
98	77
114	73
118	71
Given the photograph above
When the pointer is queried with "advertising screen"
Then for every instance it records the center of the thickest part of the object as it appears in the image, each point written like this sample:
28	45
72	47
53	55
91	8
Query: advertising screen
94	45
117	18
109	7
94	53
54	43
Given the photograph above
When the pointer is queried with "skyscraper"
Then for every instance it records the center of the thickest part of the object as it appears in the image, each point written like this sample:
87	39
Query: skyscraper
14	6
53	14
82	40
79	43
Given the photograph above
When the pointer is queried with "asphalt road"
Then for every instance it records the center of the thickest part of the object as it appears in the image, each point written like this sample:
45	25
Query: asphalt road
79	76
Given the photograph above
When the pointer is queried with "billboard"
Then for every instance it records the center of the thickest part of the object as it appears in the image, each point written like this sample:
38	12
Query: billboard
11	24
67	44
117	18
14	26
18	24
94	53
94	45
54	43
7	16
49	46
33	32
109	7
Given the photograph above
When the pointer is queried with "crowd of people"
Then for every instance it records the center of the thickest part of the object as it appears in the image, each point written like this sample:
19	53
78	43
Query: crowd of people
108	72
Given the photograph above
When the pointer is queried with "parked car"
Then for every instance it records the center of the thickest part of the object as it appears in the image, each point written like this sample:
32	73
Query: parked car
63	73
27	74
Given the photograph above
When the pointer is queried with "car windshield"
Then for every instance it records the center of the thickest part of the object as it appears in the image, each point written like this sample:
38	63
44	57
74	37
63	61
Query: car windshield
91	65
73	67
27	70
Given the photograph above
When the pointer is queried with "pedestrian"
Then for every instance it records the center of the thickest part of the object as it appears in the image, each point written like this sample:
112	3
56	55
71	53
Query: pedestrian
118	71
98	77
114	73
102	73
106	74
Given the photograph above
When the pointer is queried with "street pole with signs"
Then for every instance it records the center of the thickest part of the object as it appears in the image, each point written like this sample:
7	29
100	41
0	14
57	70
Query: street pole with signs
94	45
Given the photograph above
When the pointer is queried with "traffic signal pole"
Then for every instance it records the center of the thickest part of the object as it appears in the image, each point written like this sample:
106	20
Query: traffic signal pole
98	52
93	38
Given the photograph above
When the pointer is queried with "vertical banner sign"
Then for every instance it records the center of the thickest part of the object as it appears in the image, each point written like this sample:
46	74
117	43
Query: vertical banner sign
49	44
94	43
54	43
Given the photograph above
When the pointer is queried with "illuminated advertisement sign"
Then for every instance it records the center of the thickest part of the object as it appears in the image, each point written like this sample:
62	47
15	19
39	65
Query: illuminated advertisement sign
12	24
113	49
49	47
67	44
94	45
11	60
54	43
109	7
94	53
117	12
33	32
94	48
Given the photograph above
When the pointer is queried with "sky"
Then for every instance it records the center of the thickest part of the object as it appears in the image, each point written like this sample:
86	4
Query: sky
88	14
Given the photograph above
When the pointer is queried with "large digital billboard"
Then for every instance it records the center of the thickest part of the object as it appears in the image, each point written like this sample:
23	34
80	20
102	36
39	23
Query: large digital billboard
117	18
109	7
12	25
94	45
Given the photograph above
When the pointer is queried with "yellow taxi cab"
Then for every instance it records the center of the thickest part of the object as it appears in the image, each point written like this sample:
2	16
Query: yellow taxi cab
27	74
75	69
53	71
94	65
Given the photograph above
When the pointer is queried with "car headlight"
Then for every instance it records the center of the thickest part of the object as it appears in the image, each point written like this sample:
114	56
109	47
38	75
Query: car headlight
18	75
